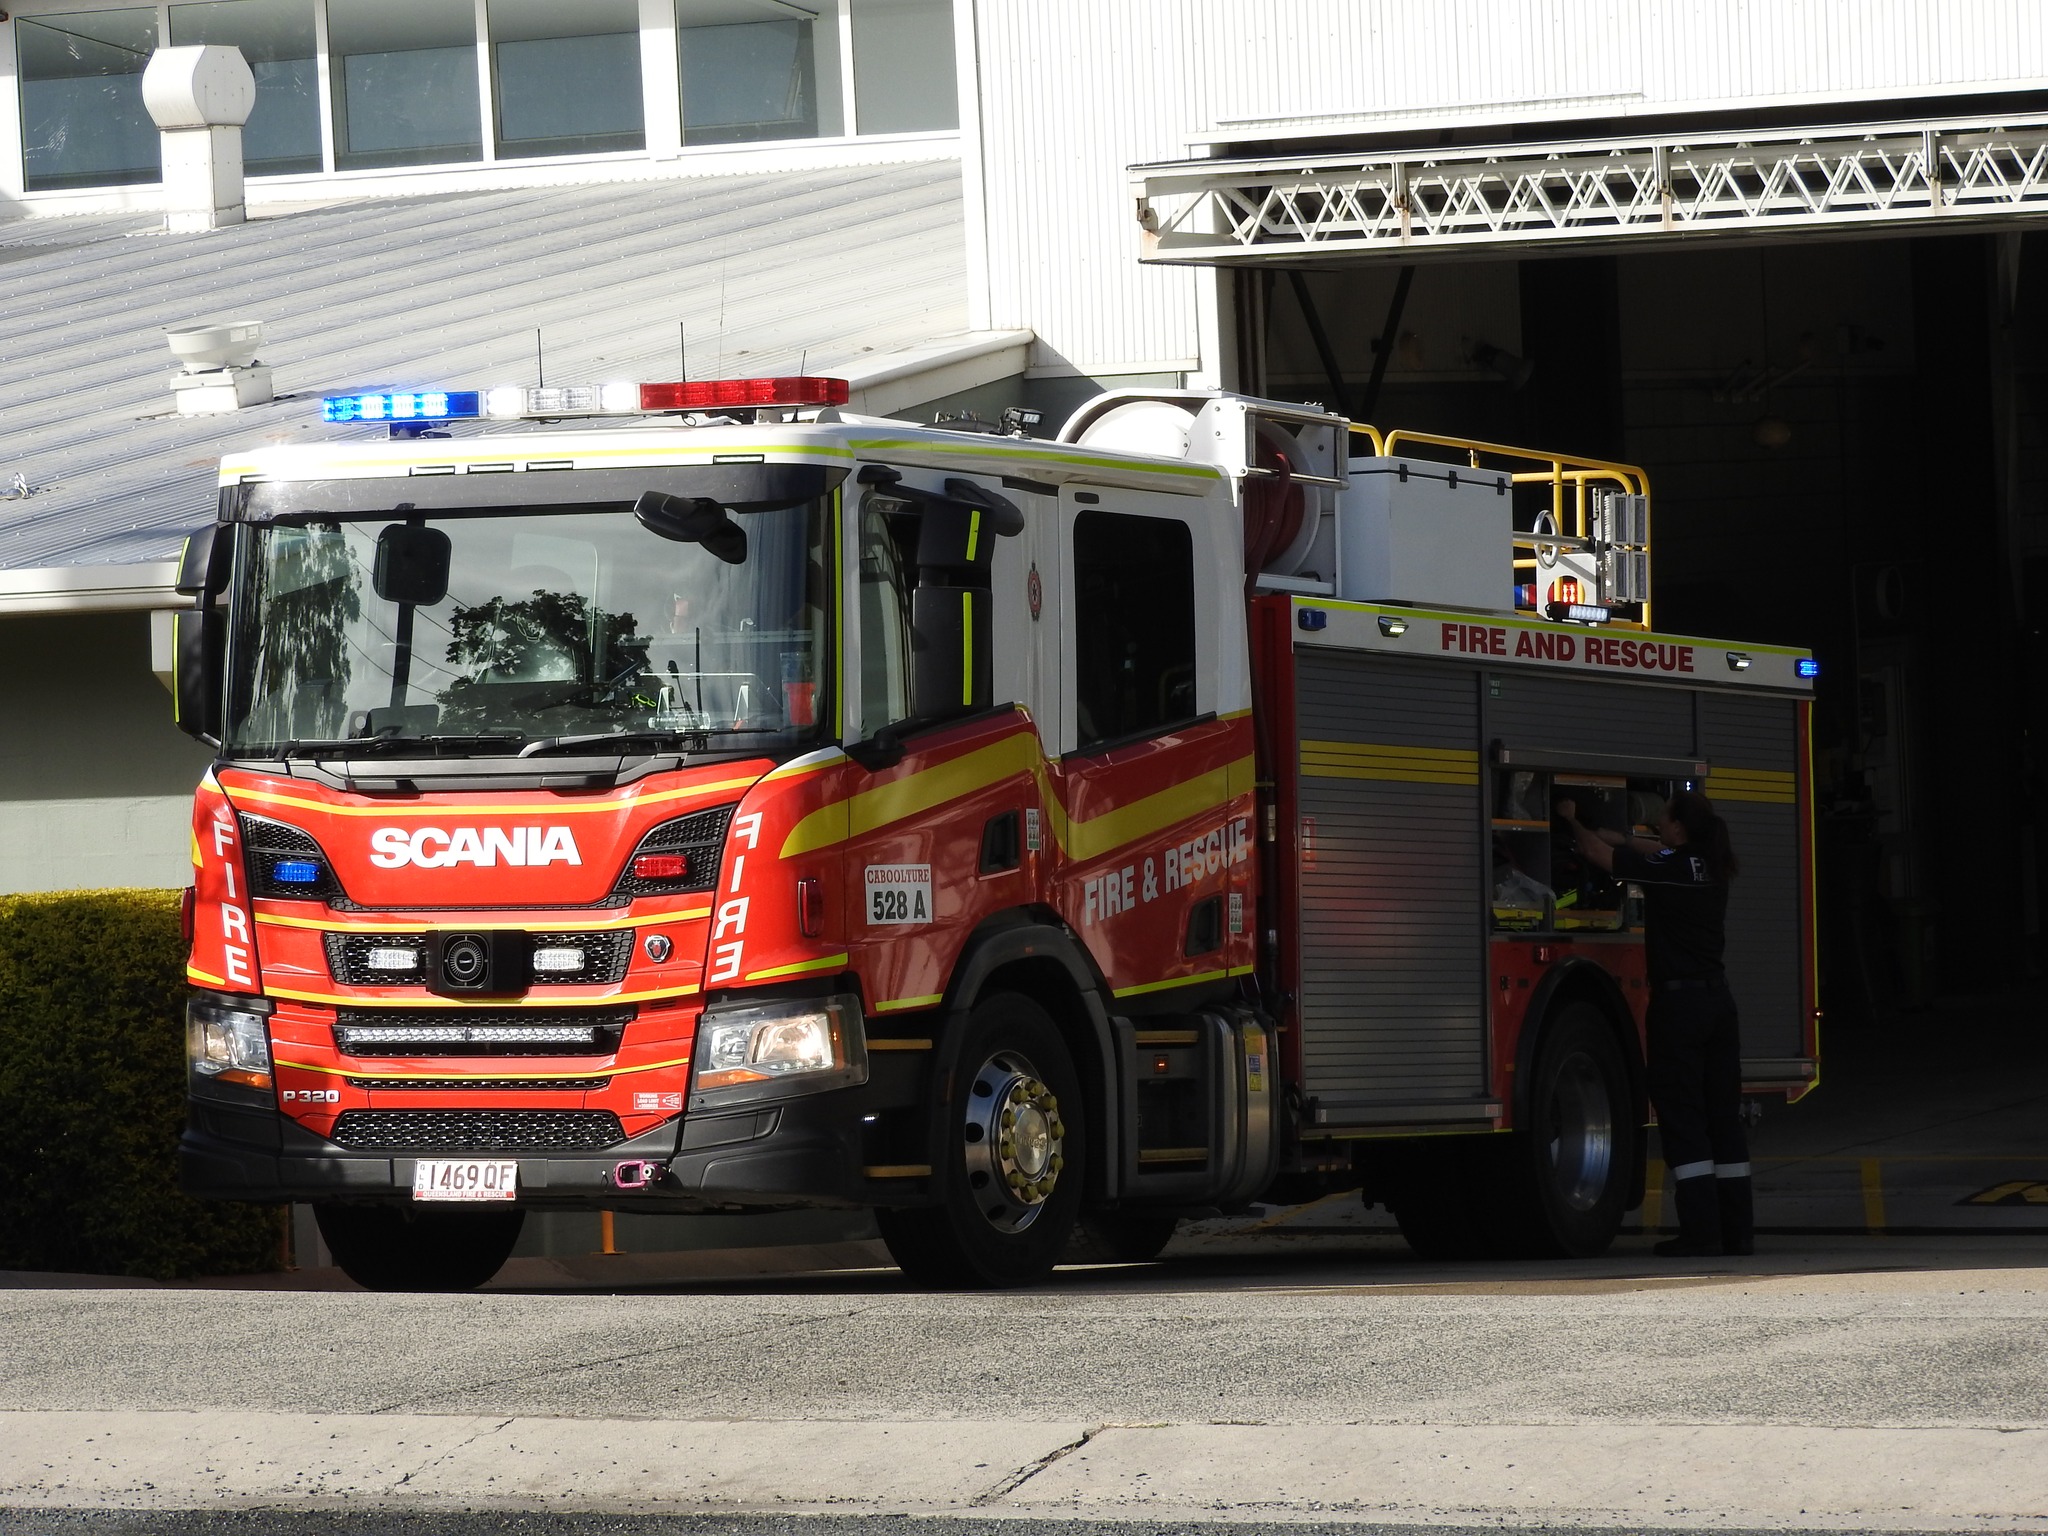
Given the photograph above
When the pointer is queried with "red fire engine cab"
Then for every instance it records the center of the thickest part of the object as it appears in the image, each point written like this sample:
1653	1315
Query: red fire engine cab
696	797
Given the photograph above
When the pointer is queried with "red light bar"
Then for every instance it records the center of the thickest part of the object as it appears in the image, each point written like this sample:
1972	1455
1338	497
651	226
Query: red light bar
731	394
661	866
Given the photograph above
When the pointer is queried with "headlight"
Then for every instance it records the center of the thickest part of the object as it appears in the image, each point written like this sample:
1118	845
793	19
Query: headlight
772	1050
228	1041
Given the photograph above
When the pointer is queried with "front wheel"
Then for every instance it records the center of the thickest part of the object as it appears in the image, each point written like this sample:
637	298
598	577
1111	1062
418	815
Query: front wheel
1010	1158
401	1248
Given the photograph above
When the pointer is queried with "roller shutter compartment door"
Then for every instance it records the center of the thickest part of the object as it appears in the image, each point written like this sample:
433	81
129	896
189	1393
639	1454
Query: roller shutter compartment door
1393	1012
1753	746
1533	714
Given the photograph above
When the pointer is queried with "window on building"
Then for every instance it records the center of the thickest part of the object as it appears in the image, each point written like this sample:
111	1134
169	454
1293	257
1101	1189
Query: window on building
903	71
757	70
82	118
276	37
1134	626
567	77
405	82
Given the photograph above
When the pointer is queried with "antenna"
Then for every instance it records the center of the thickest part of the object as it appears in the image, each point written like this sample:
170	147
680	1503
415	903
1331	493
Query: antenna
683	349
539	361
803	360
721	319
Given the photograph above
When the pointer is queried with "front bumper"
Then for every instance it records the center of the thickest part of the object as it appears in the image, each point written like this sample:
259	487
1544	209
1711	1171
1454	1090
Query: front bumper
805	1152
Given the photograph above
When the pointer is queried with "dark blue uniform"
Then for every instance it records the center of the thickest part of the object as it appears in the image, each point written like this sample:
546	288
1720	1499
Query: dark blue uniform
1695	1048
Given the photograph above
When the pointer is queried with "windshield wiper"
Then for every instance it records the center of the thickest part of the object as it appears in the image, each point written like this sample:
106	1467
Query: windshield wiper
682	738
385	745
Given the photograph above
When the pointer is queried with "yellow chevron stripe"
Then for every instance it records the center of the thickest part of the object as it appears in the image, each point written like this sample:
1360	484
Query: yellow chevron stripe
193	973
336	925
822	963
1168	807
445	811
1413	765
1181	981
336	1000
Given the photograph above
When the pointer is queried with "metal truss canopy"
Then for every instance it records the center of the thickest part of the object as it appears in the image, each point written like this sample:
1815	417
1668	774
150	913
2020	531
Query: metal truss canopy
1601	192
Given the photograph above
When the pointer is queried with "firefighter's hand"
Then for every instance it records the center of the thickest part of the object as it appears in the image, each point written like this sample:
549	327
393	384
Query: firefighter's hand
1569	810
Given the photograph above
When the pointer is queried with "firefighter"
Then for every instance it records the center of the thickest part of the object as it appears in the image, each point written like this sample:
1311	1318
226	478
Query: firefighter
1695	1063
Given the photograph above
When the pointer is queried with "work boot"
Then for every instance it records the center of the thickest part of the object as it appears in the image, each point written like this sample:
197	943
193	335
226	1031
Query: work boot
1699	1220
1738	1216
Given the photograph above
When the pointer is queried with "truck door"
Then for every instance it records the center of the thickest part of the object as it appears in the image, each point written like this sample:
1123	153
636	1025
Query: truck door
1155	773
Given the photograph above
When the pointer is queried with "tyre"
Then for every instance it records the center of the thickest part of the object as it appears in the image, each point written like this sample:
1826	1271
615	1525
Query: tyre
1570	1166
400	1248
1010	1158
1442	1198
1120	1237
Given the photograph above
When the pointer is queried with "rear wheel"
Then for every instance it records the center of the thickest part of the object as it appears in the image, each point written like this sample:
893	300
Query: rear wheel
400	1248
1571	1165
1009	1162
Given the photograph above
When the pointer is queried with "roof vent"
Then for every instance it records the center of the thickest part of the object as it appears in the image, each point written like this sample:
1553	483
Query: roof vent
218	371
200	97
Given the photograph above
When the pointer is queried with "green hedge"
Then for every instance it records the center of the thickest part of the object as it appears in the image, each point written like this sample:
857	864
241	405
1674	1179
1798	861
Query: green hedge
92	1096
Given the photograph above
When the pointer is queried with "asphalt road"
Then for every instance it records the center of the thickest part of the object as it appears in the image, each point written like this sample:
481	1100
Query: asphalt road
1875	1383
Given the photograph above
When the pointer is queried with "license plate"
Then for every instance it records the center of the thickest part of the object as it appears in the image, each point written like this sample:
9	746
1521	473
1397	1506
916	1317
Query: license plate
474	1179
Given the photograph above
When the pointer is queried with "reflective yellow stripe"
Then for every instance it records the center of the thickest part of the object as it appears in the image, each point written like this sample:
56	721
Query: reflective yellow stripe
908	1002
967	650
1019	753
973	531
193	973
1414	765
337	925
338	1001
1181	981
1762	784
449	810
824	963
456	1083
914	794
339	469
1141	818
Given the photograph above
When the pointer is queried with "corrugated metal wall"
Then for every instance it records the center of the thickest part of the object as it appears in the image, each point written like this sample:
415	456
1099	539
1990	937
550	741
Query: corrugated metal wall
1073	91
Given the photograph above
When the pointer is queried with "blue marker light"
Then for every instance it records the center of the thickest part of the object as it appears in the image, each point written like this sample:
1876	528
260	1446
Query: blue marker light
295	872
420	405
1807	666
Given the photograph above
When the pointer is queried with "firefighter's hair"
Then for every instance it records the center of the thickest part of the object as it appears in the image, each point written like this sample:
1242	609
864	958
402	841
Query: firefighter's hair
1705	832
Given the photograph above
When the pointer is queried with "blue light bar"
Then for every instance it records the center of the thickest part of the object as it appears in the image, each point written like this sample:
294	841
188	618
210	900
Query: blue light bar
295	872
1808	667
422	405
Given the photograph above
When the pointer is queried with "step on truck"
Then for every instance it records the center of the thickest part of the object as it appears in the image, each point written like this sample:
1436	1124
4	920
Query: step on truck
699	798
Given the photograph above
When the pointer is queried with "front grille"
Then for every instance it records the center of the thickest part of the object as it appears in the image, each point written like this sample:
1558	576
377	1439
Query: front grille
480	1031
494	1084
699	837
265	842
478	1130
605	953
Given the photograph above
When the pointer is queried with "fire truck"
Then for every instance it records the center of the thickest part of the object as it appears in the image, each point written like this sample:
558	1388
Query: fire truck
696	797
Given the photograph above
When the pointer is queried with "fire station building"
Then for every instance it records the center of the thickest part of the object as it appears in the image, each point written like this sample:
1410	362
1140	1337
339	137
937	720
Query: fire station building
1785	257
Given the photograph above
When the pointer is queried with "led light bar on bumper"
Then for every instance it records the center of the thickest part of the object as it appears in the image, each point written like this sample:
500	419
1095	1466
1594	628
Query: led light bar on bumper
227	1039
777	1049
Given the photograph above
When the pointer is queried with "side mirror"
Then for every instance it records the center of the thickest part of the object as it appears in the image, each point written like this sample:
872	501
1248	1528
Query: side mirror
692	520
412	565
950	636
197	643
203	567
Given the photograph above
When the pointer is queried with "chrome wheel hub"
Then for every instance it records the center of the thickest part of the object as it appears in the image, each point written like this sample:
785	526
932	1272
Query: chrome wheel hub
1014	1141
1581	1142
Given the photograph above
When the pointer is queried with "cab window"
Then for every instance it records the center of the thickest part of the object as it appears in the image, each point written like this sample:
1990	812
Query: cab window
1134	626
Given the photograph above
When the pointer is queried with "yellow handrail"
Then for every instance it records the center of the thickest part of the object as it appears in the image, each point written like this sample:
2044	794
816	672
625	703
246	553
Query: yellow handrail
1558	471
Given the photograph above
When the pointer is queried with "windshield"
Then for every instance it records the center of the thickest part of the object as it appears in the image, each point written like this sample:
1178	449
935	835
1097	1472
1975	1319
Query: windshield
555	624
